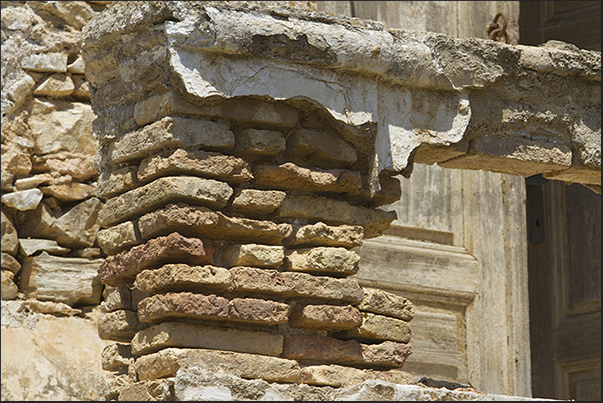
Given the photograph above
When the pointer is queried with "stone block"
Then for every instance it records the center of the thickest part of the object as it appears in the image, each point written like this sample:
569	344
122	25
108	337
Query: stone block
379	327
119	325
321	234
56	85
208	192
167	362
257	111
78	166
10	240
112	183
45	62
182	277
188	335
9	289
122	269
117	238
186	305
144	391
119	297
253	255
323	260
319	146
288	284
29	247
23	200
10	263
256	203
323	349
336	212
289	176
69	192
171	132
386	303
201	221
260	142
332	375
200	163
117	357
325	317
61	279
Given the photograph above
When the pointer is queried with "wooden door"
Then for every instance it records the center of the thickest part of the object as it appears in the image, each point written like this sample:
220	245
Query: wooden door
458	252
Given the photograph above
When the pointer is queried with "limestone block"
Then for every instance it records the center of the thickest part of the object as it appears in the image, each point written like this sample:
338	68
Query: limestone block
260	142
186	305
69	192
321	146
77	66
332	375
165	363
379	327
45	62
81	90
325	317
15	162
207	164
176	334
117	238
201	221
289	176
29	247
119	297
323	260
122	269
386	303
257	111
116	357
7	179
171	132
10	239
253	255
10	263
45	178
112	183
330	350
58	309
56	85
182	277
78	227
23	199
20	89
61	279
144	391
208	192
257	203
58	125
77	165
321	234
288	284
336	212
9	288
119	325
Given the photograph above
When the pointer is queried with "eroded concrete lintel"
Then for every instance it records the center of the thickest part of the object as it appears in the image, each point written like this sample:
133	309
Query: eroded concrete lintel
406	96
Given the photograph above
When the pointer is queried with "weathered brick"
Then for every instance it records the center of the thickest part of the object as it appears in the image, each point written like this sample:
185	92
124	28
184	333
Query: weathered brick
386	303
256	203
322	260
321	234
119	325
122	269
289	284
188	335
379	327
201	221
253	255
117	238
336	212
167	362
182	277
171	132
289	176
207	164
208	192
325	317
323	349
112	183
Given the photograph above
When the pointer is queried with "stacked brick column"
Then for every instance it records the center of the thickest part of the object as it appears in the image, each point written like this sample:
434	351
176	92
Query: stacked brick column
231	246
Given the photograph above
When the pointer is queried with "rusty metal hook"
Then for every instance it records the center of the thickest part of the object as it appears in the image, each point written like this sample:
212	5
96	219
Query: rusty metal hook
496	31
